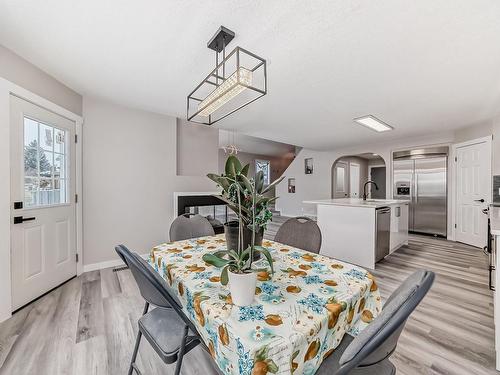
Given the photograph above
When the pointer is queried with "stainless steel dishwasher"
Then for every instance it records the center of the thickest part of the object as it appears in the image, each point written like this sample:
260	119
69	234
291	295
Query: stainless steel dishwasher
383	232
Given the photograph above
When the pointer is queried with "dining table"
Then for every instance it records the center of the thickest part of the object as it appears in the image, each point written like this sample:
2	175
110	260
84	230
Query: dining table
299	314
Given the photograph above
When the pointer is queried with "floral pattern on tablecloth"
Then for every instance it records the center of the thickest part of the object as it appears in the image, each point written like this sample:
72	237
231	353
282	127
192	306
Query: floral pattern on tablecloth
299	315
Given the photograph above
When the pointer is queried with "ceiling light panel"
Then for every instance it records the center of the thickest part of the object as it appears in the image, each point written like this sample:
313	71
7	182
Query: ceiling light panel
373	123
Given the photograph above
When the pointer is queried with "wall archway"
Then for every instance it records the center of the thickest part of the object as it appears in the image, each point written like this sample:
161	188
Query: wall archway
350	172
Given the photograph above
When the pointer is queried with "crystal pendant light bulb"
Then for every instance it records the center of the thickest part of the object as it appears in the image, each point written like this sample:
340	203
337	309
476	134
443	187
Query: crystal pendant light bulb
228	89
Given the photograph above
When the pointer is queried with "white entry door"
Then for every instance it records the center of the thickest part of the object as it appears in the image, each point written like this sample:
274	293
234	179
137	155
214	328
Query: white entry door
473	187
354	180
43	230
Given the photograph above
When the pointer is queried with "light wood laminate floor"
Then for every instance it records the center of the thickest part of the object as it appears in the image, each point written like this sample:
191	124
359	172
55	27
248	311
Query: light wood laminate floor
88	325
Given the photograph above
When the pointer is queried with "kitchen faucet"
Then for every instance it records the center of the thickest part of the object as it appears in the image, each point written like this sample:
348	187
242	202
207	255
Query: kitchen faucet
364	188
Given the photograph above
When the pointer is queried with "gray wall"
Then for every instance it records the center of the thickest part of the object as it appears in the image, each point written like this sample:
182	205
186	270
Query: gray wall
19	71
129	176
197	147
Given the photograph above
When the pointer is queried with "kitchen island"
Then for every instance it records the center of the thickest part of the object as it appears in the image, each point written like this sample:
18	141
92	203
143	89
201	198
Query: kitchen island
360	231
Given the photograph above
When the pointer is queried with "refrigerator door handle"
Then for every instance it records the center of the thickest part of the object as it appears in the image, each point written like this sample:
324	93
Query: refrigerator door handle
416	187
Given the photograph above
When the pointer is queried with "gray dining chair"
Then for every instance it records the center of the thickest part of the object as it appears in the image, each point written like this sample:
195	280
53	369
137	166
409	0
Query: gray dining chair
188	226
369	352
301	232
167	329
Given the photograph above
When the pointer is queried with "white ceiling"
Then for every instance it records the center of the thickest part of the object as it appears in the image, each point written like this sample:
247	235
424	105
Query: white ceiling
421	66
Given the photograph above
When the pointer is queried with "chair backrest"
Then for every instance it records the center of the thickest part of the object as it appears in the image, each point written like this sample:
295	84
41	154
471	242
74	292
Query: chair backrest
301	232
152	286
190	226
149	283
122	250
379	339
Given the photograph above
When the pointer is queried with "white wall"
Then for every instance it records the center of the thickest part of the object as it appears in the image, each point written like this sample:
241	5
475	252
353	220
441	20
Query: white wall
129	176
318	184
21	72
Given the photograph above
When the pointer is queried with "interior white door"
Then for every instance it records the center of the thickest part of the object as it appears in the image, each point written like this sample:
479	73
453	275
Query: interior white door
43	230
354	180
473	186
340	180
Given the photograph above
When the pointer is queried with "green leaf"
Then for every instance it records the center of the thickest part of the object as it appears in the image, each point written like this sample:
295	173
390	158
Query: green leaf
295	354
247	183
214	177
224	278
259	181
272	184
233	166
268	256
233	254
271	366
244	170
215	260
261	354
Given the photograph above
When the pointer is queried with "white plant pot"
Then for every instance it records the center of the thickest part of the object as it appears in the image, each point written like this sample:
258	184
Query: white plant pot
242	287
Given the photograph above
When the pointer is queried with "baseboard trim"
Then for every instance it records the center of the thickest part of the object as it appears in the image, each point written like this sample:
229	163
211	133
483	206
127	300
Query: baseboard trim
107	264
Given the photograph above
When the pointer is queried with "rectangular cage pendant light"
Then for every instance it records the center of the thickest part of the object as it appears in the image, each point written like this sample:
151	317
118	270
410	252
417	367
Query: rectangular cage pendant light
238	80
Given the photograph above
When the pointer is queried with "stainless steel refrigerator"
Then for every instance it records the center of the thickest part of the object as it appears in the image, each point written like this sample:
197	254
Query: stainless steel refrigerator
420	176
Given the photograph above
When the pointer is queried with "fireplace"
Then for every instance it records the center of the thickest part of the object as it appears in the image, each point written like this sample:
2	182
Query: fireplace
204	204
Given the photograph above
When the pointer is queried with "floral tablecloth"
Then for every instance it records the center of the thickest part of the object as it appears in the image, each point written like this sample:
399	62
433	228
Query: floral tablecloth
299	315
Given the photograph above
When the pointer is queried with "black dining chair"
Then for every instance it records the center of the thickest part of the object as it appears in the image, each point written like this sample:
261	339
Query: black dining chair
300	232
369	352
188	226
167	329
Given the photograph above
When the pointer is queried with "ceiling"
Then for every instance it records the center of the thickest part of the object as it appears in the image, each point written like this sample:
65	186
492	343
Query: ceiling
420	66
253	145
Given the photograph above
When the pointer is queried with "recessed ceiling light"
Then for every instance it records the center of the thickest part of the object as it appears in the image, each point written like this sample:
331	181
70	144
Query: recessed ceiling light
373	123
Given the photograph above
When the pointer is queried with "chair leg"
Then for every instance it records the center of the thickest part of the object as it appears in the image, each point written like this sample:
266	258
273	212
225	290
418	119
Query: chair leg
136	347
182	349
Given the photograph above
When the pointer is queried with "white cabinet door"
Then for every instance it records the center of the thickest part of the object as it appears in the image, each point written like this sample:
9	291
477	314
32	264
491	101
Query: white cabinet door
395	214
403	224
399	226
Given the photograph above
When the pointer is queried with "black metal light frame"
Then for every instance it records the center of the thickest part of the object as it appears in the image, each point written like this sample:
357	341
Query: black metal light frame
218	44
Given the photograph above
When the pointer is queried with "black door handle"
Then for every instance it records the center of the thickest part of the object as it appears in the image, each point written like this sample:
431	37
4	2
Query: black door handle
479	200
20	219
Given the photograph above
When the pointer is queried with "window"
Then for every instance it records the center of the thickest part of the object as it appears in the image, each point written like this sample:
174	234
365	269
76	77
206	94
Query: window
265	167
45	171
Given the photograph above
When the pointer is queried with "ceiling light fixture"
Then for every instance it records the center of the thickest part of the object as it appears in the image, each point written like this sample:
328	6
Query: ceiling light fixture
373	123
221	94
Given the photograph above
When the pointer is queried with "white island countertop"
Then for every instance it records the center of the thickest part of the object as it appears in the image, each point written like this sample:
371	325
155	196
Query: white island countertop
357	202
495	220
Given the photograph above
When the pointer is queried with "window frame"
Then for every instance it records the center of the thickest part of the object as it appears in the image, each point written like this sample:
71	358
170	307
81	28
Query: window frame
65	156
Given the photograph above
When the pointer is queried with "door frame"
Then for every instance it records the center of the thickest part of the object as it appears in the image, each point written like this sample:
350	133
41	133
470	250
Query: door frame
453	177
7	89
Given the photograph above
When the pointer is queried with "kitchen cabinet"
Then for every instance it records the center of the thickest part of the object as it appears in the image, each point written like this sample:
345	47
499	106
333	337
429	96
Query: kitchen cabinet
399	226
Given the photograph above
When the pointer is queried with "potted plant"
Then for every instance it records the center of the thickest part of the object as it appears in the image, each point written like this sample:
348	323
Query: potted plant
247	198
237	271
